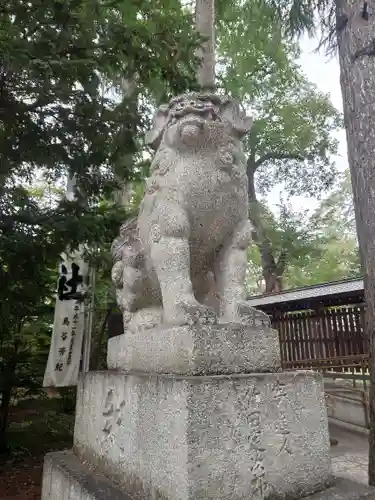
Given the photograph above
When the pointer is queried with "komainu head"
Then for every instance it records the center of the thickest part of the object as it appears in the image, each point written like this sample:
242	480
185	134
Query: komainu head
198	120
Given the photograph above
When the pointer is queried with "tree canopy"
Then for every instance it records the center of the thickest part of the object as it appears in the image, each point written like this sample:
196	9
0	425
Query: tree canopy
291	143
321	246
62	113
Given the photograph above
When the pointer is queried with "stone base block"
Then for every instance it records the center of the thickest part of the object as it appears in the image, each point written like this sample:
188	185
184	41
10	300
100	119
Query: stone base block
197	350
258	436
65	477
344	489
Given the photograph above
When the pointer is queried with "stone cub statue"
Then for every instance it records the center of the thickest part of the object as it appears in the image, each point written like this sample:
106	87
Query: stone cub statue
183	260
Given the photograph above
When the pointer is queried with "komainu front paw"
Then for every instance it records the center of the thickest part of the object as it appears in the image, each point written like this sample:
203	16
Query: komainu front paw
192	314
250	316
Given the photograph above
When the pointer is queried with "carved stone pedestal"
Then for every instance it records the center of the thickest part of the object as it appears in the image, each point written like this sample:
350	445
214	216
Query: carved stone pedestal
216	437
67	478
155	436
197	350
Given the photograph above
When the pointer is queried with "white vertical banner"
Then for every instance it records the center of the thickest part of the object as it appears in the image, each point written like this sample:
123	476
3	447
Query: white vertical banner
69	323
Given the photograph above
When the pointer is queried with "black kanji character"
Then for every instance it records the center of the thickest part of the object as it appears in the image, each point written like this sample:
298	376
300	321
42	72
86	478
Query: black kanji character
66	321
70	354
64	335
61	287
64	284
62	351
58	367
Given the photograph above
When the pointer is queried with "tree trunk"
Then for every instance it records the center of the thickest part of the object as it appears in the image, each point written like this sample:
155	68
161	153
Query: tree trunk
274	283
205	24
4	414
122	196
272	270
7	384
356	43
97	339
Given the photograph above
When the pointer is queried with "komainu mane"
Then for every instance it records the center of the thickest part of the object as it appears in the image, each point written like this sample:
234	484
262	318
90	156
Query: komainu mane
183	261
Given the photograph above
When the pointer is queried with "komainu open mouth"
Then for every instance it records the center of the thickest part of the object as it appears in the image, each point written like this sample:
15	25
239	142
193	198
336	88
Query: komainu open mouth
193	114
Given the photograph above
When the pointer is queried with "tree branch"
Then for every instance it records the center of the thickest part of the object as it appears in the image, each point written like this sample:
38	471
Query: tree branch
277	156
250	170
271	270
281	263
259	233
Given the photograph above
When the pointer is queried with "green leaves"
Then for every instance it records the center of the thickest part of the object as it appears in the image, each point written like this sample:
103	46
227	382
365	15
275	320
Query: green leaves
299	16
64	111
55	57
319	247
292	139
251	53
291	143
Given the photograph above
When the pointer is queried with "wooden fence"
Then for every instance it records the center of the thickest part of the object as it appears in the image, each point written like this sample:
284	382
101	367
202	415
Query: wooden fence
331	337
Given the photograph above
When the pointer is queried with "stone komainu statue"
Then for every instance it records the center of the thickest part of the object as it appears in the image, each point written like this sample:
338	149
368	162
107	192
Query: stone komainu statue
183	261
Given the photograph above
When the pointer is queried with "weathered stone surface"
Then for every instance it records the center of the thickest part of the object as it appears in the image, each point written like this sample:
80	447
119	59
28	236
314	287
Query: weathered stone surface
236	437
197	350
344	489
65	477
184	260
